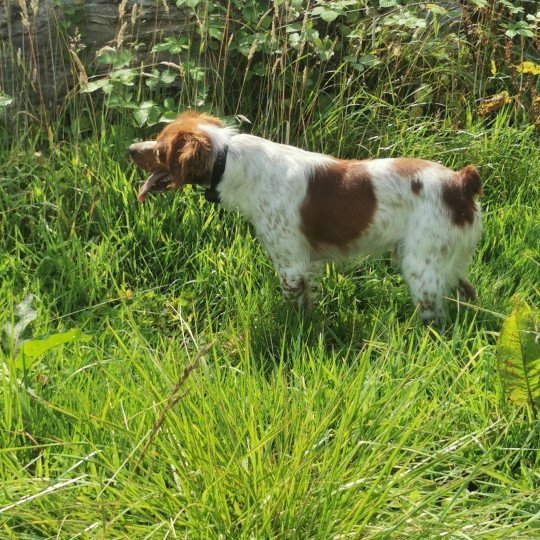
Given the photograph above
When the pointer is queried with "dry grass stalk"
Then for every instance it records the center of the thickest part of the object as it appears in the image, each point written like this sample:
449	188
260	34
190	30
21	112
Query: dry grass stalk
83	77
173	399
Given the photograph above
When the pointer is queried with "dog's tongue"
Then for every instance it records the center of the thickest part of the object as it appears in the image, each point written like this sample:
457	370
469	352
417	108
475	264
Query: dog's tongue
147	186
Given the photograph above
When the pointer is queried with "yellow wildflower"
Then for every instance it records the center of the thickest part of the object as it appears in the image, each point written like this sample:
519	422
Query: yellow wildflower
127	294
528	67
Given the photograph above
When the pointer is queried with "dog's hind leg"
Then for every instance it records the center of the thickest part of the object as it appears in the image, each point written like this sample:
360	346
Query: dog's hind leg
426	283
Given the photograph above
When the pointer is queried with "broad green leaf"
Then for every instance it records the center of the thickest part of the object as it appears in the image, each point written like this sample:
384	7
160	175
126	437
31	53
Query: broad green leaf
172	45
5	100
168	116
168	76
124	76
92	86
189	3
170	104
160	47
518	356
197	73
117	58
327	15
32	349
294	39
216	32
141	116
154	115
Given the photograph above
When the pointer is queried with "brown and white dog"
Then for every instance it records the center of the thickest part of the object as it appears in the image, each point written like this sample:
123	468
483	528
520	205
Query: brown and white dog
308	208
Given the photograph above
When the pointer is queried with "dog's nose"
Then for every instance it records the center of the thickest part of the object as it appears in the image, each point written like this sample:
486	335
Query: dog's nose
132	150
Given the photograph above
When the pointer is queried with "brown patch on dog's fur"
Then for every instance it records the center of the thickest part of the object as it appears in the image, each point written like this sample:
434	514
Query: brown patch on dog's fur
416	186
466	290
339	206
184	148
410	168
459	193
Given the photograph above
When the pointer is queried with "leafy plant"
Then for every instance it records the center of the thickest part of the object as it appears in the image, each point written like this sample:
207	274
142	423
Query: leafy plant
5	101
28	351
518	356
31	350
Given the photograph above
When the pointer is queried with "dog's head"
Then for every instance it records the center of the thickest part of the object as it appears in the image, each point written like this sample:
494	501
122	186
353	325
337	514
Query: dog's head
180	155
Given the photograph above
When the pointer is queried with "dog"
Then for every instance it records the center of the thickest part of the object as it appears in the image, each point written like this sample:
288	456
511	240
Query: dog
309	208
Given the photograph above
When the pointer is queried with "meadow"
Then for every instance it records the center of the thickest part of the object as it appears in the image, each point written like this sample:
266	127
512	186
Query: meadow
195	402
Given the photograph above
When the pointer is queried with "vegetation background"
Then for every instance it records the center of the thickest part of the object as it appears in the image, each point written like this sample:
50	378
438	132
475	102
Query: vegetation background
354	422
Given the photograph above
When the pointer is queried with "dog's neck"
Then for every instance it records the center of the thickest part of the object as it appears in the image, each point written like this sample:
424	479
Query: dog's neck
260	172
211	194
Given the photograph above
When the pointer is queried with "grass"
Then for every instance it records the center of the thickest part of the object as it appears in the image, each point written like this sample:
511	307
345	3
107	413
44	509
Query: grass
354	422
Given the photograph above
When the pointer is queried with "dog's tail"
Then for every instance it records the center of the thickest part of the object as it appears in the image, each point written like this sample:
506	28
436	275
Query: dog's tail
470	181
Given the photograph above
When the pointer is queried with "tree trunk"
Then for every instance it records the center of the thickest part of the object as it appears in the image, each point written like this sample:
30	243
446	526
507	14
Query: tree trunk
45	43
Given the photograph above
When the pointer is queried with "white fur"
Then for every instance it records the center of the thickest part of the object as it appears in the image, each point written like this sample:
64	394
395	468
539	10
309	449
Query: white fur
267	182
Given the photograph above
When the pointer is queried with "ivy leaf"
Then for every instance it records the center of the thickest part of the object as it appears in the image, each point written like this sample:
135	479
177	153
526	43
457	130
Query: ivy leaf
387	3
518	356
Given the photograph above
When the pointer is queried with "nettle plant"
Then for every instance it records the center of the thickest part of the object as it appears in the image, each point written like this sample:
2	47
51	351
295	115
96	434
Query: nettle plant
287	59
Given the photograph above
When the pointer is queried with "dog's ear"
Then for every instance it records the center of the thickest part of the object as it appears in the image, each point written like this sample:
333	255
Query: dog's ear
188	158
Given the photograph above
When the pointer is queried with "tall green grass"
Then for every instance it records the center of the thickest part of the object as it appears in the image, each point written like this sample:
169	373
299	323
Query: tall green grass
354	422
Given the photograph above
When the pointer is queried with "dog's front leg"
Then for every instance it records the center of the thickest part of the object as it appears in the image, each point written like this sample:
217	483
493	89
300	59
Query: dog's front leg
292	260
295	286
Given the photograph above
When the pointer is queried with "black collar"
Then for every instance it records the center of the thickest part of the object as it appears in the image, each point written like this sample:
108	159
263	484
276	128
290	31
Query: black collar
211	194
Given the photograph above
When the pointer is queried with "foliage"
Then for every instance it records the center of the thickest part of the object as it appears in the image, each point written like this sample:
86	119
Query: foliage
303	50
28	351
355	422
518	356
287	61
